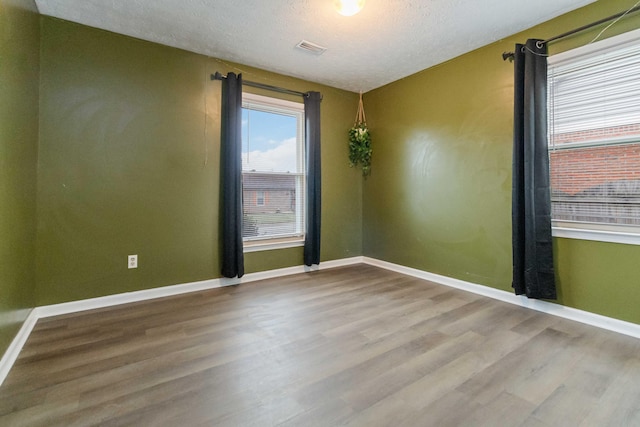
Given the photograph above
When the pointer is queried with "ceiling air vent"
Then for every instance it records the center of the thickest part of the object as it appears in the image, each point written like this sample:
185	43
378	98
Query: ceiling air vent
311	47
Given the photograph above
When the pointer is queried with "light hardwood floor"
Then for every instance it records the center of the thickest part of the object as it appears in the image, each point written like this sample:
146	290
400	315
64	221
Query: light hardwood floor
354	345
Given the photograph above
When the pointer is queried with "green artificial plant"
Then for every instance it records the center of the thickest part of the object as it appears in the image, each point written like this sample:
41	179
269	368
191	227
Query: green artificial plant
360	142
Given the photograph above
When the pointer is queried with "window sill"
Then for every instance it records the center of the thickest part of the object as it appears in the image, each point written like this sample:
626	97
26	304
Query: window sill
609	236
272	244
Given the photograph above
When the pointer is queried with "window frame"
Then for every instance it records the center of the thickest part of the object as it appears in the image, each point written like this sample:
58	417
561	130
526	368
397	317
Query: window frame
295	109
601	232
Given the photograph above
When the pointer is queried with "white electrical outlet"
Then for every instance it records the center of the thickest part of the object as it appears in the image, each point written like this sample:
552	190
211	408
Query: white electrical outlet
132	261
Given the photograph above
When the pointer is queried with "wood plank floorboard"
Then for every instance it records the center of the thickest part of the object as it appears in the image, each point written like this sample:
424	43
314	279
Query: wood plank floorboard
355	345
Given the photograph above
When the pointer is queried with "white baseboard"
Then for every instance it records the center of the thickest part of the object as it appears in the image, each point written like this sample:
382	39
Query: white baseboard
165	291
10	356
615	325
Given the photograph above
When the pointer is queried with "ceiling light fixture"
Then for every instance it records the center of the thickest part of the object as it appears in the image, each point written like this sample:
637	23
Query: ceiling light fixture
349	7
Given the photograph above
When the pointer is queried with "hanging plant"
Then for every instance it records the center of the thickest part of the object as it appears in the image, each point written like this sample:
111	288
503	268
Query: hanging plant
360	148
360	142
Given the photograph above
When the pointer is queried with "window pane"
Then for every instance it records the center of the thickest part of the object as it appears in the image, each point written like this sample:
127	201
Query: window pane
271	205
596	184
269	142
596	90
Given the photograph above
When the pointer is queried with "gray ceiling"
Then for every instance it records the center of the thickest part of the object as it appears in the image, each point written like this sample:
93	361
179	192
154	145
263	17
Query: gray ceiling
386	41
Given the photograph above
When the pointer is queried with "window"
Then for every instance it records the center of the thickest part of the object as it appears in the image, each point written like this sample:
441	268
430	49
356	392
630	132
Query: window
594	140
273	172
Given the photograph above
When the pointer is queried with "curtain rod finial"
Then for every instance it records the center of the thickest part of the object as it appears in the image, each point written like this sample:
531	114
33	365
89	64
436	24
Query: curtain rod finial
508	55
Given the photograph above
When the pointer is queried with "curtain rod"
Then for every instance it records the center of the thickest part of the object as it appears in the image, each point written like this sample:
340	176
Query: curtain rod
218	76
509	55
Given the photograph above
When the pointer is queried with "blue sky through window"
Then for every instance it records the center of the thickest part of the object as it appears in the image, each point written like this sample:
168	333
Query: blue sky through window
268	141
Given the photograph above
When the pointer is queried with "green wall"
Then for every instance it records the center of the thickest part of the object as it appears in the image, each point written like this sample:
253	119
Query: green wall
129	164
19	74
439	197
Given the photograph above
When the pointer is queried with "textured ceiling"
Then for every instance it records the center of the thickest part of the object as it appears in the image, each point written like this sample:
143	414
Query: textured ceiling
386	41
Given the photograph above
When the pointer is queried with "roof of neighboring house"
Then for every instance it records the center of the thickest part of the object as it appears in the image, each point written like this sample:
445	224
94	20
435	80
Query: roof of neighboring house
266	181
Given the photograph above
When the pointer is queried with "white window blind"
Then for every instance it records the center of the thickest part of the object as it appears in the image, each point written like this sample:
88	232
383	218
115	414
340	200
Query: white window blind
273	169
594	133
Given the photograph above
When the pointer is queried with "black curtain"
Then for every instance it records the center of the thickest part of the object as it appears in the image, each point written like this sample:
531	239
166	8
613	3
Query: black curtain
314	202
231	176
533	273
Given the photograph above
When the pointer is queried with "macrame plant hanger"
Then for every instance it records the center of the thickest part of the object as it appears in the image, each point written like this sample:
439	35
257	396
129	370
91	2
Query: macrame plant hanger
361	119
